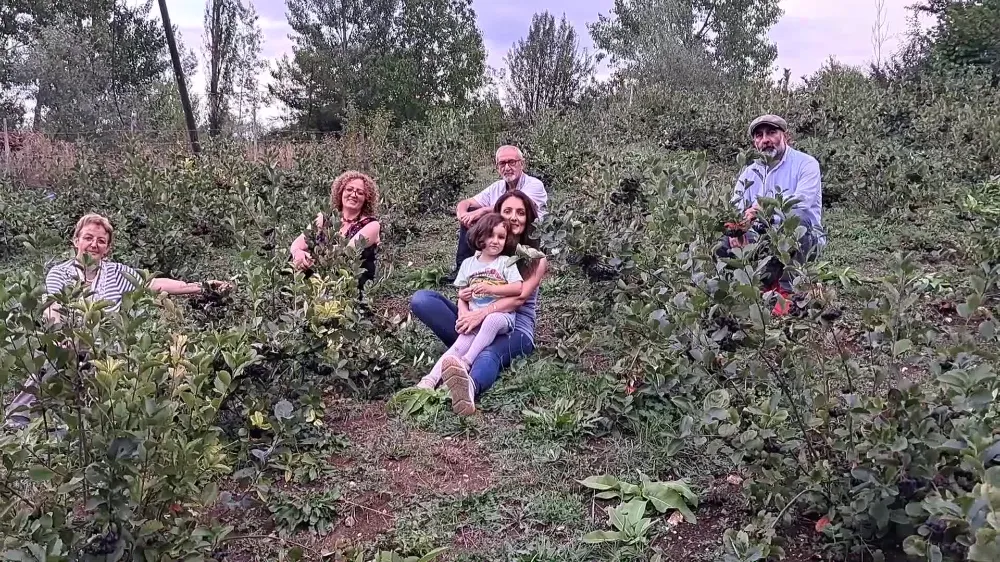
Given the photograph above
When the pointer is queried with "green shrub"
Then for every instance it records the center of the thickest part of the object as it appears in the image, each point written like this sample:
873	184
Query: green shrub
124	454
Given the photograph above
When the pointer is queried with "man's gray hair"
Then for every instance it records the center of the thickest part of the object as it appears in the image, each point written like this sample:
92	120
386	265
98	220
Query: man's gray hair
519	153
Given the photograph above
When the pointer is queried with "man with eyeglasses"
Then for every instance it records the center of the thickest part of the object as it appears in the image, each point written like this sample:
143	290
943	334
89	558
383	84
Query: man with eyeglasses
510	165
790	172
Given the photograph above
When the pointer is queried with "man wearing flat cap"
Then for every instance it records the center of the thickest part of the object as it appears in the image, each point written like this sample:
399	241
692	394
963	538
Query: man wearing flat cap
790	172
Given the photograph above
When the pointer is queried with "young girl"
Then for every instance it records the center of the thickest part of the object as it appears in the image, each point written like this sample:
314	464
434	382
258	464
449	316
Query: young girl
489	238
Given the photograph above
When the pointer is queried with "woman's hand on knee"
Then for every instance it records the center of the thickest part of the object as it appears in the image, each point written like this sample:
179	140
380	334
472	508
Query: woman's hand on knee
468	322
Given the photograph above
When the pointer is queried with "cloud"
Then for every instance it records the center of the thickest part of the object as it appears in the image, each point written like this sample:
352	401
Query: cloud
809	32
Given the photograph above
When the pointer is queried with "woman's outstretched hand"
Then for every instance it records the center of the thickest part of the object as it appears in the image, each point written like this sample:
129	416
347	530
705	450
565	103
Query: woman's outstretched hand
220	286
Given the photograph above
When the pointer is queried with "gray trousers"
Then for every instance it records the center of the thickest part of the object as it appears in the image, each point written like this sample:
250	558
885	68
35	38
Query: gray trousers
775	274
22	403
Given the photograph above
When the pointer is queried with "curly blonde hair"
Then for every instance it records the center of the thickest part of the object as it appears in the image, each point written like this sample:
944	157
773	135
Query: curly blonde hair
370	206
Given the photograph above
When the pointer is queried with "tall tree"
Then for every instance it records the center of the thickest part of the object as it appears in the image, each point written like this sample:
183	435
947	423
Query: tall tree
309	87
119	53
681	41
548	69
967	32
247	96
232	55
406	57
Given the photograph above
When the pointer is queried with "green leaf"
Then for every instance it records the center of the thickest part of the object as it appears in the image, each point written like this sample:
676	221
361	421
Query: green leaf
880	513
982	551
716	414
914	509
716	399
70	486
757	317
674	447
728	430
19	556
150	527
39	473
954	445
628	514
596	537
663	498
687	422
433	554
210	494
600	482
964	310
283	410
901	347
993	476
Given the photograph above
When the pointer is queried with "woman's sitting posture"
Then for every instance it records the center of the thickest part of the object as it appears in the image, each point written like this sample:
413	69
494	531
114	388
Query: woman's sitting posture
93	239
488	238
355	196
448	322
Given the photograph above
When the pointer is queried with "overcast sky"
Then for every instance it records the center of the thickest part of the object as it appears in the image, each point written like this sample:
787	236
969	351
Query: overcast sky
809	32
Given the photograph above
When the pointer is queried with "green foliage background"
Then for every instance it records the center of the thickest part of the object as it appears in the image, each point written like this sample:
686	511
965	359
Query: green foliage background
867	418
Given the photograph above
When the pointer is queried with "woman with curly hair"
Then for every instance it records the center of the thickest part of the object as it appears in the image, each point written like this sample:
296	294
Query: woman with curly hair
355	196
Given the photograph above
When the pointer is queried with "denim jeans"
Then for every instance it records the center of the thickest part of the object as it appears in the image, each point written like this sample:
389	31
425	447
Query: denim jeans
440	314
464	251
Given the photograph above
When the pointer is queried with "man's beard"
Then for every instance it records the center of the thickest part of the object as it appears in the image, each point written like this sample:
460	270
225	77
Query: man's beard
772	152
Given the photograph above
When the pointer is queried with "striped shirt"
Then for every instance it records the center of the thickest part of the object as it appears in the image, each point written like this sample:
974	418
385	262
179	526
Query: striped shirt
111	283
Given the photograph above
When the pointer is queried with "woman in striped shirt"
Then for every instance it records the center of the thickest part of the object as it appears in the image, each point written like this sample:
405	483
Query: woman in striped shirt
93	239
106	280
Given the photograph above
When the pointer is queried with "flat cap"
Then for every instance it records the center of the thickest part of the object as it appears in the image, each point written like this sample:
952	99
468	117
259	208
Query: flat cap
772	120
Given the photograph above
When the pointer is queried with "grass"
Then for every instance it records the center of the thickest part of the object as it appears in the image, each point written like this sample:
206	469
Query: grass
494	487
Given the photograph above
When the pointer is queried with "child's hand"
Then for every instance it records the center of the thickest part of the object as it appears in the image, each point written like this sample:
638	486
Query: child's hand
482	290
466	294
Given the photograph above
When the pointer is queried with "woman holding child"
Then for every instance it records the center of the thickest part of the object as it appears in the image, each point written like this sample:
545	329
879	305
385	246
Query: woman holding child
482	316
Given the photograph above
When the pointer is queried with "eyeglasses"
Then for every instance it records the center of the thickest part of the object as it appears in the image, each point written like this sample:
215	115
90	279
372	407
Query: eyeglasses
505	163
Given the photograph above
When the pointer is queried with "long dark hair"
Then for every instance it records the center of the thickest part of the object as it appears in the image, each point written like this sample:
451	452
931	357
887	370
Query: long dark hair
530	215
526	238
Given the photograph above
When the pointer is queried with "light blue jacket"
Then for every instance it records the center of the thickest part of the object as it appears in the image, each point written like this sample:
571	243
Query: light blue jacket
796	175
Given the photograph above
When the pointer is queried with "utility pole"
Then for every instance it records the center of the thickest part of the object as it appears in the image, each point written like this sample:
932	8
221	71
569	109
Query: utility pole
179	74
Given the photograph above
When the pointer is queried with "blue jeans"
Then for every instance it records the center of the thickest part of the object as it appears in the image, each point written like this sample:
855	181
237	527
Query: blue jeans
440	314
464	251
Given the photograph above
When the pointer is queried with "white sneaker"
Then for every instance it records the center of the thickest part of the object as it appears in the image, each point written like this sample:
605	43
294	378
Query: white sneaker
460	386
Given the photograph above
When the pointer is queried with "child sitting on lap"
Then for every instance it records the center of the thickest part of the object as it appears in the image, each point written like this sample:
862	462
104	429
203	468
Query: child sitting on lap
489	237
